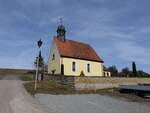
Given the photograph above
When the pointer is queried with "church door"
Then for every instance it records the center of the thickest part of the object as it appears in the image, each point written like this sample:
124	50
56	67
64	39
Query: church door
62	69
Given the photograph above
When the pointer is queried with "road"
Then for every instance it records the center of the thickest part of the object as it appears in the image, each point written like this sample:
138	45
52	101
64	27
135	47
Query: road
90	103
15	99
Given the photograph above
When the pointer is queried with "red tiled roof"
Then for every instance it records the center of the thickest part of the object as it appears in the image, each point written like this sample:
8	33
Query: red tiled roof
74	49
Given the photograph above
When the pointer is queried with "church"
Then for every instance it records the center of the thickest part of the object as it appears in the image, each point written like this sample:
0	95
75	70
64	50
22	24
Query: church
73	58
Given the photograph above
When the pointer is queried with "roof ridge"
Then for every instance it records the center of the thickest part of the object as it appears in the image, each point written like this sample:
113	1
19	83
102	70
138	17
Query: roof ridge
78	42
74	41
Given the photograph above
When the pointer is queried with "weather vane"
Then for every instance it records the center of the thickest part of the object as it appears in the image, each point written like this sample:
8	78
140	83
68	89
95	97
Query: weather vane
61	21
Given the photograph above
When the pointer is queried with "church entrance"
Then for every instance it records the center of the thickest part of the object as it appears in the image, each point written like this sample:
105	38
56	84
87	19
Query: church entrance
62	69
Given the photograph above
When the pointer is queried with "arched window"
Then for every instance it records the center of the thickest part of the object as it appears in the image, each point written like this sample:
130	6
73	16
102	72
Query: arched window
73	66
53	57
88	68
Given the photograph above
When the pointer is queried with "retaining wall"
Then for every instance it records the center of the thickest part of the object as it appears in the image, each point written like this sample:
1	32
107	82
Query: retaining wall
95	82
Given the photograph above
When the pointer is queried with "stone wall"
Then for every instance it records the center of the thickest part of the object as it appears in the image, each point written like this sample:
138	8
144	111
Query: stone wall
95	82
60	78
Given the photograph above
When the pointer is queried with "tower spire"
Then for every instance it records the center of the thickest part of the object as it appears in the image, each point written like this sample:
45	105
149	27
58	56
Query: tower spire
61	31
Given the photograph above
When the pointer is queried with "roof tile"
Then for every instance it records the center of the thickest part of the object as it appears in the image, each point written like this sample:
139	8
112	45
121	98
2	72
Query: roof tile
78	50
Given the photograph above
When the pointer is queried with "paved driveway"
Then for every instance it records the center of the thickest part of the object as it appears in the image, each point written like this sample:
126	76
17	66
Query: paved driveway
14	98
90	104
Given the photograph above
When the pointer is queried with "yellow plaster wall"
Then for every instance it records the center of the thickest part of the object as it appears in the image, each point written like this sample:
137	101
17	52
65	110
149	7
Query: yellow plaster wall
81	65
54	64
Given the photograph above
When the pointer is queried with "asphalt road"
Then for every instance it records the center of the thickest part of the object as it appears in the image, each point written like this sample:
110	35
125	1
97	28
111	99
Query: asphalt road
91	103
15	99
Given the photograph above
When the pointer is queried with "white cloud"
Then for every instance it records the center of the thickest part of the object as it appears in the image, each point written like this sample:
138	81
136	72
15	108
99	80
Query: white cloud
130	51
102	25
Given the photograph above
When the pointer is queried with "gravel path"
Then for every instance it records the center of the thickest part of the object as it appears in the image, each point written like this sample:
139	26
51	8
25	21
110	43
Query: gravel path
15	99
91	103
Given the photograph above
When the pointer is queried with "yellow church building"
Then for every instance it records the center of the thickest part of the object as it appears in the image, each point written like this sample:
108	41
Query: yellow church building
72	58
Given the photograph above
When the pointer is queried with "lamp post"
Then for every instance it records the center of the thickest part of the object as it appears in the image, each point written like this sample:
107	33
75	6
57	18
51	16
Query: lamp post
39	43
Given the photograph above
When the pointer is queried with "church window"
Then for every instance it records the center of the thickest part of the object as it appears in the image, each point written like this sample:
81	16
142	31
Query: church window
73	66
88	67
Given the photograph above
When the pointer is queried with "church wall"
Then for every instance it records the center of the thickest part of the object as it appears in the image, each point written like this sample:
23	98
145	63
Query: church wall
96	68
54	64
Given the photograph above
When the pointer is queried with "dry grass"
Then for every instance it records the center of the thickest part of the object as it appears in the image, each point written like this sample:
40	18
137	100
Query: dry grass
16	71
26	77
48	87
128	97
22	73
2	75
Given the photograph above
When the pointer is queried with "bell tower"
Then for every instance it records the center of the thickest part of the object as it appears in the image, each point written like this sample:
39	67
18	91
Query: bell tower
61	32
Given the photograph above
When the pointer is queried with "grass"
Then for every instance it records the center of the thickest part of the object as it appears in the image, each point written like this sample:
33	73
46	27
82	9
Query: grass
2	75
128	97
49	87
16	71
22	73
26	77
23	77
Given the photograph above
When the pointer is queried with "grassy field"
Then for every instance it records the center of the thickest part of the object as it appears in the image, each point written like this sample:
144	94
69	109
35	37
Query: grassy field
26	77
15	71
22	73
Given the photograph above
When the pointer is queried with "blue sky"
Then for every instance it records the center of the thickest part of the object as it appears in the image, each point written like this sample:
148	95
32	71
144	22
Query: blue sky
118	30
